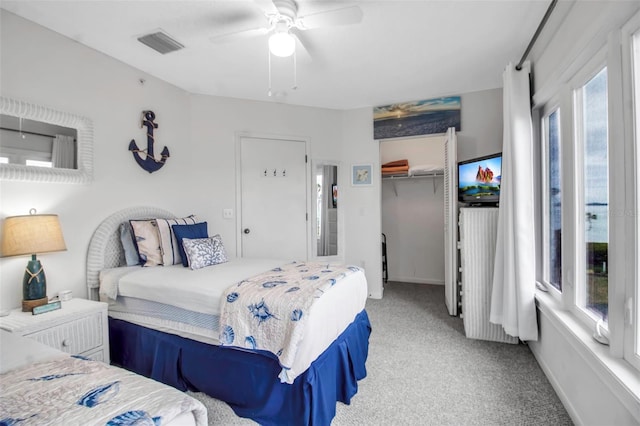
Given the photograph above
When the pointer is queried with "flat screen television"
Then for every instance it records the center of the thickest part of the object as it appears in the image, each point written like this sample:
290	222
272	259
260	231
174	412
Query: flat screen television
479	180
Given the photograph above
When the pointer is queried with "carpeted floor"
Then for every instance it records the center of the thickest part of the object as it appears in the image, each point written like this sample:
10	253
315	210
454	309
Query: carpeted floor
422	370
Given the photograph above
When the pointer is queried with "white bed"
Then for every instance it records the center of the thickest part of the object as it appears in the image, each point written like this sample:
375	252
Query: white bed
41	385
157	289
184	306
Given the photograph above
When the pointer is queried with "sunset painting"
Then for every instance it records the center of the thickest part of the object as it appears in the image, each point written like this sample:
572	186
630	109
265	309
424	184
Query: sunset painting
416	118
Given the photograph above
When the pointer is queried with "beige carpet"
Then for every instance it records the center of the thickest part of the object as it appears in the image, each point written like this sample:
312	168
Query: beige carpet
422	370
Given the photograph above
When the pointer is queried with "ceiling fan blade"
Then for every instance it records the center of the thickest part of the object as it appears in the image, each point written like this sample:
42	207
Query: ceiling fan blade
239	35
303	53
331	18
266	6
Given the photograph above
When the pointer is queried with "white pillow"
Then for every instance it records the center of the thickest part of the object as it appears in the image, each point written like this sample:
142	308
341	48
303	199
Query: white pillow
168	242
203	252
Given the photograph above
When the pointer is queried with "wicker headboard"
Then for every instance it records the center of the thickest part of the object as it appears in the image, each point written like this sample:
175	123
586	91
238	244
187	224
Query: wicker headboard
105	248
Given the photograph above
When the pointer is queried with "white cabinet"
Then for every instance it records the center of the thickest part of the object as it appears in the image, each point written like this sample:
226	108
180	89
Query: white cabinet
478	235
80	327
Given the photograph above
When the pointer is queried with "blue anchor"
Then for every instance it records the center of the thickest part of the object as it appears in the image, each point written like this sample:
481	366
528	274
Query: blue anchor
149	163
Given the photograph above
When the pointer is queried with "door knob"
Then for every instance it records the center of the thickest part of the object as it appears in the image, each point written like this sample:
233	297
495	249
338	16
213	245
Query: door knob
247	230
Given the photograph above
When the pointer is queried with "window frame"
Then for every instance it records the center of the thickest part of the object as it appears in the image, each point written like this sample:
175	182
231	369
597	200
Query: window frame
617	364
623	190
546	112
587	72
630	339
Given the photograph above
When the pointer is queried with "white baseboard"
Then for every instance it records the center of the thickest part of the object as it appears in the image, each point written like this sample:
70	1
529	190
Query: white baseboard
415	280
376	295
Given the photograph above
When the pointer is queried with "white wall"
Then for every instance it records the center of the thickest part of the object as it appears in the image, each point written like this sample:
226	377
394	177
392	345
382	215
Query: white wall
422	150
412	212
39	66
582	32
413	221
215	122
481	124
590	393
42	67
362	204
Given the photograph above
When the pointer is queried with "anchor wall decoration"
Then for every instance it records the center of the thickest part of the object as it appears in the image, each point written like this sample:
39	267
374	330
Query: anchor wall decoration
145	158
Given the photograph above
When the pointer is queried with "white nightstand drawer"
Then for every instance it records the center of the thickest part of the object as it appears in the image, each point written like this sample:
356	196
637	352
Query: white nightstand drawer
96	355
75	337
80	327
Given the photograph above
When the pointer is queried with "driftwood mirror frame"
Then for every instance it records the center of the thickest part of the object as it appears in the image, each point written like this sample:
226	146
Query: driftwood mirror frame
84	127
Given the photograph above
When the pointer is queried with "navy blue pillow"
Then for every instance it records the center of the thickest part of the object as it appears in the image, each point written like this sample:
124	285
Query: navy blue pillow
198	230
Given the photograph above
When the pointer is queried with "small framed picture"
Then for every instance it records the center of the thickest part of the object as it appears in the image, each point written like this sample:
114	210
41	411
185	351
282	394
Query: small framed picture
361	175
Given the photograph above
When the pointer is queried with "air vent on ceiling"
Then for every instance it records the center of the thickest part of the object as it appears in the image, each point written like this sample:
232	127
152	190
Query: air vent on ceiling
160	42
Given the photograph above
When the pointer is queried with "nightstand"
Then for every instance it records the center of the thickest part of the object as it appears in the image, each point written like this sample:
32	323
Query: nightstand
79	327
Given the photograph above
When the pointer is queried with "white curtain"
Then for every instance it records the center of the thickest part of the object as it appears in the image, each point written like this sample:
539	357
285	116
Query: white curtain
514	284
63	154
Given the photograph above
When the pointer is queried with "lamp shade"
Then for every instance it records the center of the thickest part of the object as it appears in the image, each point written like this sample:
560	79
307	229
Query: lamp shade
31	234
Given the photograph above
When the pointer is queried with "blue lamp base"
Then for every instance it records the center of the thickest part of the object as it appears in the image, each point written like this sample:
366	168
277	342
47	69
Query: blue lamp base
34	286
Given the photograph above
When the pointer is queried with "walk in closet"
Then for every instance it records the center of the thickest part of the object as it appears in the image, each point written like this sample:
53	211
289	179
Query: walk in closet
413	209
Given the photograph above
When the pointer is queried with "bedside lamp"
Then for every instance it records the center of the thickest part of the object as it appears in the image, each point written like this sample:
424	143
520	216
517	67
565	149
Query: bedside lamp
31	234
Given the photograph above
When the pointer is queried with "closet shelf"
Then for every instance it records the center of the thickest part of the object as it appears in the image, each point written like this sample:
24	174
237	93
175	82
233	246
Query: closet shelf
414	176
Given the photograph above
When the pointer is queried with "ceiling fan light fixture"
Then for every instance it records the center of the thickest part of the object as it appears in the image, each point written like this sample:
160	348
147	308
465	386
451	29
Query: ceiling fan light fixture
282	44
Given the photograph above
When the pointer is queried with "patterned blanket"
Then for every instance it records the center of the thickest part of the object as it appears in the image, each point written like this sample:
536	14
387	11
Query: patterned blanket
268	311
75	391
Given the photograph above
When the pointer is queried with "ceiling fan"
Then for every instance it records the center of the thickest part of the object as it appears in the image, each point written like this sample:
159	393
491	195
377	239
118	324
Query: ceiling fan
285	26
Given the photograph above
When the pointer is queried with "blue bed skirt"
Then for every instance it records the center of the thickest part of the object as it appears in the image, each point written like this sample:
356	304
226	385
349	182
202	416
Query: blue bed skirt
248	381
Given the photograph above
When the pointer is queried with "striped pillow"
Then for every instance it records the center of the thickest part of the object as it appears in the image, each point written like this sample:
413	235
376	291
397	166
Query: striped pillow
168	242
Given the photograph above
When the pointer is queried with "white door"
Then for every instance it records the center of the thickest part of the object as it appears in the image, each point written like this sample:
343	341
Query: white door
451	222
273	198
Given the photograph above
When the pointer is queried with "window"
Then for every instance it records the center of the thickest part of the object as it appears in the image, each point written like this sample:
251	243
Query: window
4	160
589	214
553	200
593	191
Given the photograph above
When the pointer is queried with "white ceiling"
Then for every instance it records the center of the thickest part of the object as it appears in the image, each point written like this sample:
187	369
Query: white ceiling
401	51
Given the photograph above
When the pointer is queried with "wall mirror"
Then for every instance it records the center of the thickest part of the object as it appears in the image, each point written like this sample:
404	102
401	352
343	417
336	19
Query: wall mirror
40	144
326	209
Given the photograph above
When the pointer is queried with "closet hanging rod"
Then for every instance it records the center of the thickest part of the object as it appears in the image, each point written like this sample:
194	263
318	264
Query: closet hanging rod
537	33
395	177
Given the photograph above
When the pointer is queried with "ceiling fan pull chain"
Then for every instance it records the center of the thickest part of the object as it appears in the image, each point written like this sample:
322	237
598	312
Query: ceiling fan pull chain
295	70
269	92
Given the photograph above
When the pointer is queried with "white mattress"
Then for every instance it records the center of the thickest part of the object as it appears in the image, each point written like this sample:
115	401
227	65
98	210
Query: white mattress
197	290
200	291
